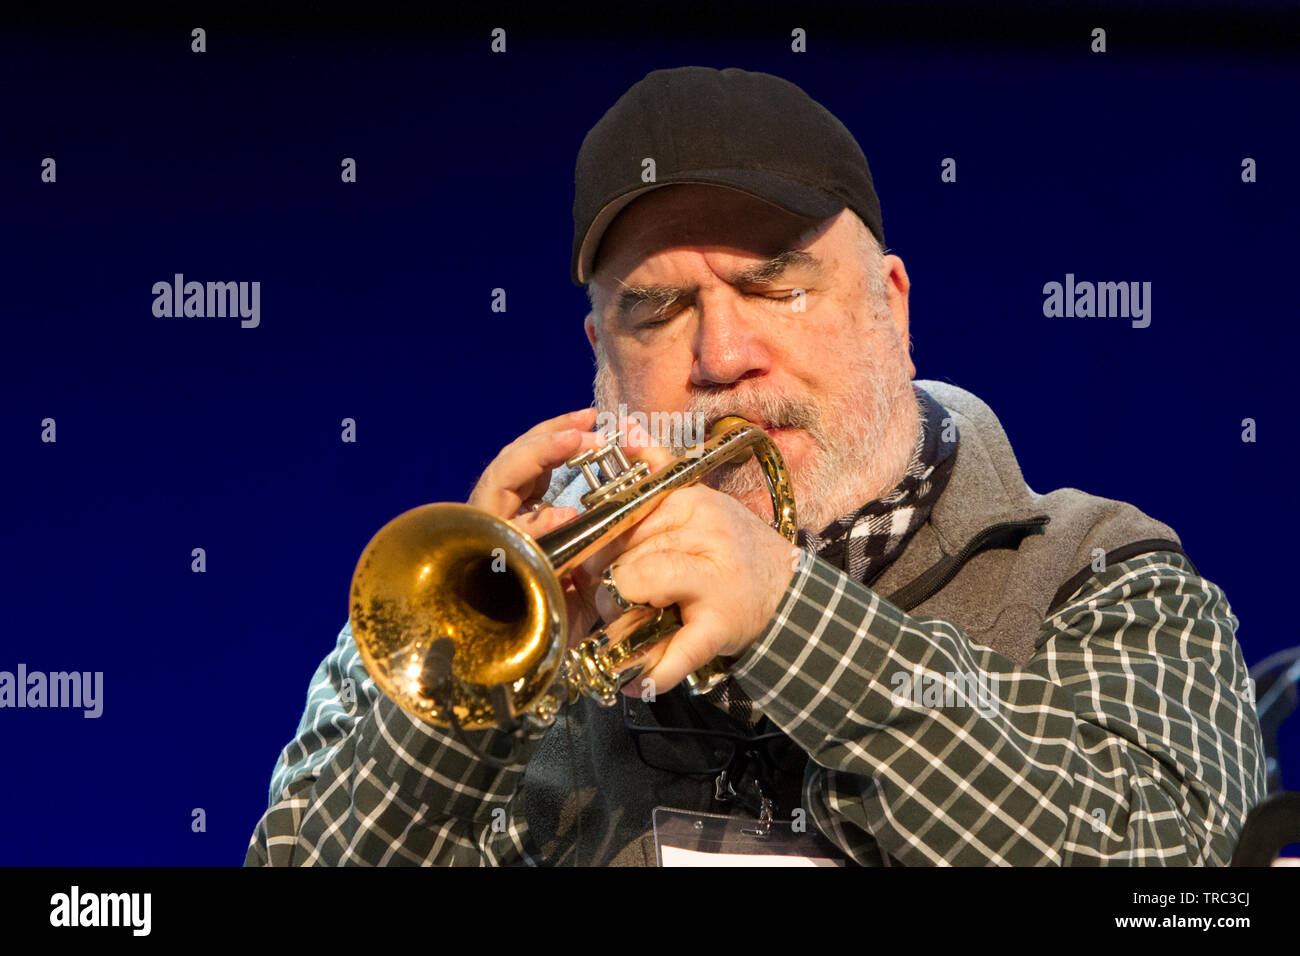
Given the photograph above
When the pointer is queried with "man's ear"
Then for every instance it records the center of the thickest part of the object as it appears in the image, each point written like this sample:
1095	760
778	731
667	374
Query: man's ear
897	287
589	323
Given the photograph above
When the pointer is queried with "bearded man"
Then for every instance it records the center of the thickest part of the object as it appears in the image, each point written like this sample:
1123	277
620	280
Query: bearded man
946	668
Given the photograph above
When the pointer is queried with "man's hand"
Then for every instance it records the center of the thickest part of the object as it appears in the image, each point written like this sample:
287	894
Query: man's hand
724	566
700	549
519	476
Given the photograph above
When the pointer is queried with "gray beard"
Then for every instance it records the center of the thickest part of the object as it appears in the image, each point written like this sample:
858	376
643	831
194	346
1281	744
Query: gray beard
862	443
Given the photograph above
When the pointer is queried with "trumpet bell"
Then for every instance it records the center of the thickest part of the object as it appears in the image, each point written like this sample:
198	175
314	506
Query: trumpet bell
449	572
461	619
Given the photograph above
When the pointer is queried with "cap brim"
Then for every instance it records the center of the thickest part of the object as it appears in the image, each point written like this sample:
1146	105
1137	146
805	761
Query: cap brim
794	197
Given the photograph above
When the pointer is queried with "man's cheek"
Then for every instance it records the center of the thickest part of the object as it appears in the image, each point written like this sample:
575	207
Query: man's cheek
794	448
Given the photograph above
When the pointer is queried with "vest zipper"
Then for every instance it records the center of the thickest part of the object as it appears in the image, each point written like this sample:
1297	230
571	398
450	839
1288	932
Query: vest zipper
1005	534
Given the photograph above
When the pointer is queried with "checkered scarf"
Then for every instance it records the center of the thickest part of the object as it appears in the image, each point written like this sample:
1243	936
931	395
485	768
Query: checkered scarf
864	542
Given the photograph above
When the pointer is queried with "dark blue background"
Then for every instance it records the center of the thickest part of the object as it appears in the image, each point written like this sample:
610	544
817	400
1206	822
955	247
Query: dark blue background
183	433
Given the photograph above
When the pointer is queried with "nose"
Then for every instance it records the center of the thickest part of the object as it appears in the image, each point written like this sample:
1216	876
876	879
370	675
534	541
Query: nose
729	345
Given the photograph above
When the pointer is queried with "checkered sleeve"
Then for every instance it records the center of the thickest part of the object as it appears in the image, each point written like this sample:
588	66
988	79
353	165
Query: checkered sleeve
364	783
1130	737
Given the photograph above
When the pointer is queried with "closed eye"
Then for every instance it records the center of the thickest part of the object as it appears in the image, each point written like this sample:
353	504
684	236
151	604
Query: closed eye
657	319
668	313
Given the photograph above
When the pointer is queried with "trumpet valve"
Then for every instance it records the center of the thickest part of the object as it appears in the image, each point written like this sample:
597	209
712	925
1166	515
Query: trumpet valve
607	471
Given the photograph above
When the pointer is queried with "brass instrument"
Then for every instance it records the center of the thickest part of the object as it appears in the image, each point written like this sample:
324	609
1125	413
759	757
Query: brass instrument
460	617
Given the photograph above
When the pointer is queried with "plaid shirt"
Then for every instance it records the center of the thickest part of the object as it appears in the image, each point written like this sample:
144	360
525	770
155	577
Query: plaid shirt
864	542
1129	737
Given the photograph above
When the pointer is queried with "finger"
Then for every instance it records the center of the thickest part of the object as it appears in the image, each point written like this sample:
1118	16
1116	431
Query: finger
639	446
520	463
677	510
590	439
583	419
582	610
523	469
537	523
690	545
592	580
594	565
660	578
667	665
542	482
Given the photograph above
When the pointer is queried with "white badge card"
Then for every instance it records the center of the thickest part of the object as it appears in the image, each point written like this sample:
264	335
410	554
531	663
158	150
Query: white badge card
684	838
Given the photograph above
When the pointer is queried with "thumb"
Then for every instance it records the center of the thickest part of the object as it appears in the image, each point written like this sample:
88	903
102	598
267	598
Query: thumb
667	663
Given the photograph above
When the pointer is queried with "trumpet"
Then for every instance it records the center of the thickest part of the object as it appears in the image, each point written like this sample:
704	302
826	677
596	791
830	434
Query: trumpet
460	618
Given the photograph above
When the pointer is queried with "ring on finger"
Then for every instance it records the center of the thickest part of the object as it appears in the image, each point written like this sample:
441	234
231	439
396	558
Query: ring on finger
607	579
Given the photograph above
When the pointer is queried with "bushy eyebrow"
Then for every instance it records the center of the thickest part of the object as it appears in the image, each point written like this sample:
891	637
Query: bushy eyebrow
772	268
663	296
660	296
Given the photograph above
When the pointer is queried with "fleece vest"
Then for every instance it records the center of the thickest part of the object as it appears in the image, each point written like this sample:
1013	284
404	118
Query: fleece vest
994	558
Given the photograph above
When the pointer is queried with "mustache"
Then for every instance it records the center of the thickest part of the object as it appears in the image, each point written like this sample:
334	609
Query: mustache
776	410
773	409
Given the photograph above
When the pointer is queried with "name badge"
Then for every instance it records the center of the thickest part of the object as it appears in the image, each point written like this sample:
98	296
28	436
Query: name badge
686	838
